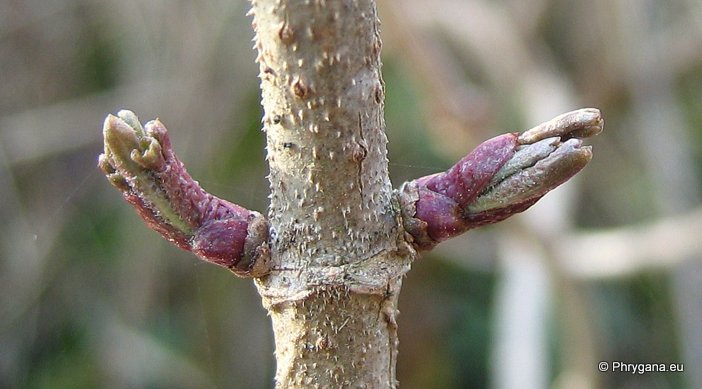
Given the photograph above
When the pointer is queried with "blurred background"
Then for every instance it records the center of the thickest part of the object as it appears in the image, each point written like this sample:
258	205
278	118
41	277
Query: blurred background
606	268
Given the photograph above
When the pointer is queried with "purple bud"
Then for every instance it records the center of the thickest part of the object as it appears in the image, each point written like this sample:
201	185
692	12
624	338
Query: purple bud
502	176
140	162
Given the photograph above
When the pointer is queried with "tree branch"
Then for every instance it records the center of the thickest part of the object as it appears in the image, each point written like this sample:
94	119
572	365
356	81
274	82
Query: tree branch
337	244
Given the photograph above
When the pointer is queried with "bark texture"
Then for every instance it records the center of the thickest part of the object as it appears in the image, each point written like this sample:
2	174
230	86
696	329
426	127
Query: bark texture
337	244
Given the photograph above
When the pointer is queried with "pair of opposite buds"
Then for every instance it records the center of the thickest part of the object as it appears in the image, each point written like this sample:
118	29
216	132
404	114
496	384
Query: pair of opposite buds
502	176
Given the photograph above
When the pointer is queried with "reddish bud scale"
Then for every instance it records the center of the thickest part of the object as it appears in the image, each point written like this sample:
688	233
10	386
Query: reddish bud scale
220	228
174	205
438	211
464	181
221	241
193	204
502	176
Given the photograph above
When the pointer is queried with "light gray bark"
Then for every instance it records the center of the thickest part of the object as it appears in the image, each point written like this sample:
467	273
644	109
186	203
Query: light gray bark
337	245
